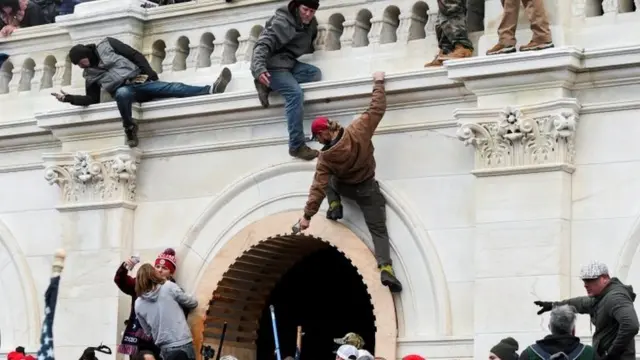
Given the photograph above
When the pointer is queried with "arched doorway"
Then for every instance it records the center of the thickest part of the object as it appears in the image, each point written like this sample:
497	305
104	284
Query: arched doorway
311	284
239	281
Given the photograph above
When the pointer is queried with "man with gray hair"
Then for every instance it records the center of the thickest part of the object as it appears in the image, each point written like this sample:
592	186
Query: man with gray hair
610	305
562	343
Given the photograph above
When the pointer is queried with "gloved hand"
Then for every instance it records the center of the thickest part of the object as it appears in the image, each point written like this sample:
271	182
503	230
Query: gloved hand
545	305
335	211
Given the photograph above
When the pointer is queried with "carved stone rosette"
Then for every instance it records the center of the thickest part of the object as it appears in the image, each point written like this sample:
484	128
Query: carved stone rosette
514	143
94	179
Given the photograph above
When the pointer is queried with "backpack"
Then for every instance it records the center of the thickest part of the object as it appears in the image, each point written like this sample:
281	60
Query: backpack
580	352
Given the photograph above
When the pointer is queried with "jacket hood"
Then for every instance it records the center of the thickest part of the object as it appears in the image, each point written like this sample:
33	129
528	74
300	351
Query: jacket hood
559	343
152	295
616	285
338	153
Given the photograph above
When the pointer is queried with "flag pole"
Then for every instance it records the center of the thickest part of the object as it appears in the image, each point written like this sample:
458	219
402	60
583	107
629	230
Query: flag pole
50	300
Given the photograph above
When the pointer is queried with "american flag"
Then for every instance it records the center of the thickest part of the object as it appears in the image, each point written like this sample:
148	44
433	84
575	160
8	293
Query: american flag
46	336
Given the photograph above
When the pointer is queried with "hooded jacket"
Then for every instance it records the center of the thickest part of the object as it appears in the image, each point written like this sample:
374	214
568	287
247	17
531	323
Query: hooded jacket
160	314
284	39
557	344
615	319
350	159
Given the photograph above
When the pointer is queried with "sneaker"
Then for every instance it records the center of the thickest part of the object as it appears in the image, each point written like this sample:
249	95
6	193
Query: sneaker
263	93
436	60
460	52
388	279
220	85
305	153
501	49
335	211
132	136
534	45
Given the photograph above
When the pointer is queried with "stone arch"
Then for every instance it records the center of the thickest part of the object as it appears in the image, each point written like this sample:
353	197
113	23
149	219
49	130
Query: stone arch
362	28
335	28
419	18
276	255
231	44
158	54
423	307
390	23
22	308
182	53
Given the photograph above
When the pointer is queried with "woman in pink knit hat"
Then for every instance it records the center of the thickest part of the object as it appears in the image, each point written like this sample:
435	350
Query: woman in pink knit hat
134	338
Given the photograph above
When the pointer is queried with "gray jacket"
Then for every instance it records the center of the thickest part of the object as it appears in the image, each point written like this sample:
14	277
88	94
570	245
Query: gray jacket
283	40
113	70
615	319
160	314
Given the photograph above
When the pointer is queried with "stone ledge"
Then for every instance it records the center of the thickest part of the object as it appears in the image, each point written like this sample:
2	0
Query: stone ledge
243	108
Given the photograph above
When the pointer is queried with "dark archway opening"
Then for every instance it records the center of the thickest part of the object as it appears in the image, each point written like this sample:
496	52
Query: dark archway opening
325	294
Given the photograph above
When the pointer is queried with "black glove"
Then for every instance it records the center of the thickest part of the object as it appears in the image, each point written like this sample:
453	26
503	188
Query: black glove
335	211
545	305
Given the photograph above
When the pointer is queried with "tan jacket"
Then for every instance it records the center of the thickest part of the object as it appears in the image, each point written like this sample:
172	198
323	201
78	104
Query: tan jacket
351	159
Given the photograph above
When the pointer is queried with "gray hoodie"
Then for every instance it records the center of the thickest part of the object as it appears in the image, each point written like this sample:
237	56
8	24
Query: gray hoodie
161	316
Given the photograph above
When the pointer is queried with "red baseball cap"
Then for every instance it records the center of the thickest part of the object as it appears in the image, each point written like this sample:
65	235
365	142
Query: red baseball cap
413	357
318	125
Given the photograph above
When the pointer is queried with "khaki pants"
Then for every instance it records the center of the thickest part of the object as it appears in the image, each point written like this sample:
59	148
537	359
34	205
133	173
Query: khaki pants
537	17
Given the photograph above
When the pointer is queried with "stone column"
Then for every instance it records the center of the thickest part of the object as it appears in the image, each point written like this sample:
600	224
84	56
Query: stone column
97	203
523	138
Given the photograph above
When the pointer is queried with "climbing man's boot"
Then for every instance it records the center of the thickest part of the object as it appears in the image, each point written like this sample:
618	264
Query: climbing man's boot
388	278
335	211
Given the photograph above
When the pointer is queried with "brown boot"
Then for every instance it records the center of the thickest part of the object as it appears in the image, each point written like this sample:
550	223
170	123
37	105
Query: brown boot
536	45
436	60
501	49
305	153
459	52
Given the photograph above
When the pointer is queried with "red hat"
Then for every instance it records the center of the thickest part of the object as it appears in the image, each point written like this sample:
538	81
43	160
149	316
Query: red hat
413	357
167	258
319	125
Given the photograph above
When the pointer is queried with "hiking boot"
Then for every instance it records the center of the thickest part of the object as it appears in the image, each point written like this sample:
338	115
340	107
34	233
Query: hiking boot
263	93
220	85
436	60
305	153
335	211
501	49
388	278
132	135
460	52
535	45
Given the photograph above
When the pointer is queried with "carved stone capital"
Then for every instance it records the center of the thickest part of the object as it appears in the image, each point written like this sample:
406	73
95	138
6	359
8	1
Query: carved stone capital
514	142
99	179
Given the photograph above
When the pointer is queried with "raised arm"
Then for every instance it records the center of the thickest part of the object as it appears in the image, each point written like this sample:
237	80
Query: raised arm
367	123
125	283
583	304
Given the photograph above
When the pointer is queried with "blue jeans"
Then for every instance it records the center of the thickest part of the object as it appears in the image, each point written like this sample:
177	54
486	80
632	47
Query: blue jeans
172	352
287	83
126	95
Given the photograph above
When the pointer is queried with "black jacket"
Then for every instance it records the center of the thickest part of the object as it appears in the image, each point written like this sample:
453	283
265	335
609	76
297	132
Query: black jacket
615	319
93	90
553	344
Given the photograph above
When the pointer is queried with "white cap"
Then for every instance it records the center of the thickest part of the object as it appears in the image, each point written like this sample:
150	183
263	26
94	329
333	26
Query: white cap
365	355
347	352
593	270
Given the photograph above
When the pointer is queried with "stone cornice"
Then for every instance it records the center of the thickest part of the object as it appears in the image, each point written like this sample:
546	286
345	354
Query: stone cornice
99	179
527	139
34	39
243	109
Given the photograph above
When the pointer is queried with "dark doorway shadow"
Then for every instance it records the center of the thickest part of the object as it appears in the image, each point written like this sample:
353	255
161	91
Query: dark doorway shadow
325	295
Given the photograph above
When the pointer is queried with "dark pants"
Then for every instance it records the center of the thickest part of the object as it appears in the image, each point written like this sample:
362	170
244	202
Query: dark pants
370	200
126	95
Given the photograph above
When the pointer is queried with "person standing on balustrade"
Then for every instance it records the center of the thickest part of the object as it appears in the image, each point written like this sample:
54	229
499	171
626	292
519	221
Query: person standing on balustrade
126	74
451	30
507	30
289	34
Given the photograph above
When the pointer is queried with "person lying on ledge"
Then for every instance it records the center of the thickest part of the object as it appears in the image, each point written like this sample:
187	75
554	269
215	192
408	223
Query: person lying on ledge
125	73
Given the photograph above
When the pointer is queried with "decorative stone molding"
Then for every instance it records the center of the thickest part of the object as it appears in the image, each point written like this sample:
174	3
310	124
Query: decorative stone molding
94	179
515	143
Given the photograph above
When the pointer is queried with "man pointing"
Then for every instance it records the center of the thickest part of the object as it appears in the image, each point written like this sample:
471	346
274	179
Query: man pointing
346	167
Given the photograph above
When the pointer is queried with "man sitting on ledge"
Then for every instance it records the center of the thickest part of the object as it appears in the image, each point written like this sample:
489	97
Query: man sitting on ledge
124	73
